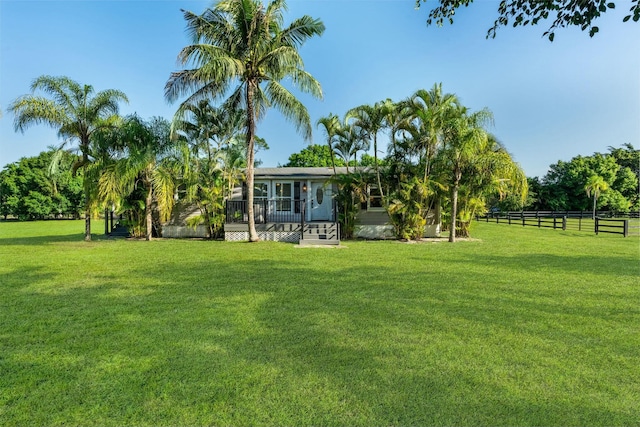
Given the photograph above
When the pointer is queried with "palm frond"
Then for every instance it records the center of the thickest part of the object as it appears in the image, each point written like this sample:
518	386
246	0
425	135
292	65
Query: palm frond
30	110
290	107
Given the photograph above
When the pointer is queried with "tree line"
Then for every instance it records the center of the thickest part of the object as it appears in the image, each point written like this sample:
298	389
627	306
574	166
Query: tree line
31	189
606	181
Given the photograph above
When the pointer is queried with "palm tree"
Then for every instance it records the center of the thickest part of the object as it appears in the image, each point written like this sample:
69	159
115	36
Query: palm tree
427	111
243	43
209	168
463	139
371	119
331	125
492	171
349	142
147	148
76	111
595	185
207	128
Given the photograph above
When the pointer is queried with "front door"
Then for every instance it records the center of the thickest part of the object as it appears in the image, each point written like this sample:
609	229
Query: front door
321	202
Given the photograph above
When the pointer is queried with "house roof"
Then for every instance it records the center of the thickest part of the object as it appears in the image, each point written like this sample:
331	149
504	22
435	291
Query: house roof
321	172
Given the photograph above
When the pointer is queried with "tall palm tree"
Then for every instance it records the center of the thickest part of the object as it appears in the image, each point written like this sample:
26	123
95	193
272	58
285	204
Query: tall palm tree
241	51
76	111
594	186
349	141
371	119
427	111
464	138
331	125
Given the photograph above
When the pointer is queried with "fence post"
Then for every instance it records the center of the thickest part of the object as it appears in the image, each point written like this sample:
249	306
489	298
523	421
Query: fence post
596	226
266	207
626	228
580	222
564	223
509	218
539	222
523	223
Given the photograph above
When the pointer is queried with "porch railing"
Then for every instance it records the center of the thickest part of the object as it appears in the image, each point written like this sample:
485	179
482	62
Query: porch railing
265	210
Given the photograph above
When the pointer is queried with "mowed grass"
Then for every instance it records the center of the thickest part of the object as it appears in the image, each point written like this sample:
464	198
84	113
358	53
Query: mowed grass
522	327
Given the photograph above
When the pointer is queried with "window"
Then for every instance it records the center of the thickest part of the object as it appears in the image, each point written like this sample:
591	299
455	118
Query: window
260	191
296	196
283	196
374	201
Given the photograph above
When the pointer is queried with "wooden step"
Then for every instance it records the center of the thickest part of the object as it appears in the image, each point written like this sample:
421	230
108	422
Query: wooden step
320	234
120	232
314	242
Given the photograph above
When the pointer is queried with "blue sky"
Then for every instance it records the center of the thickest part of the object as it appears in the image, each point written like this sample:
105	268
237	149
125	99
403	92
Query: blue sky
551	101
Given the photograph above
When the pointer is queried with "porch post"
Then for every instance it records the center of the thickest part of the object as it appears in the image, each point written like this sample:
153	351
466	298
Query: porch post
308	201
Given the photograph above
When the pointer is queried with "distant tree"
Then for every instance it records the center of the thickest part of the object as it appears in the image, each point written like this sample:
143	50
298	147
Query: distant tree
563	187
313	156
76	111
627	156
565	13
628	178
9	191
241	52
368	160
30	190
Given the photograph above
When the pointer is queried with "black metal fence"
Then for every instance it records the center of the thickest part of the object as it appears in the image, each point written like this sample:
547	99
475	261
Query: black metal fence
264	211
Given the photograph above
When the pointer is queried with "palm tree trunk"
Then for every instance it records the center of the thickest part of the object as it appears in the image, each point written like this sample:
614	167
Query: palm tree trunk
87	198
454	213
251	128
87	216
375	162
595	198
454	205
333	162
148	219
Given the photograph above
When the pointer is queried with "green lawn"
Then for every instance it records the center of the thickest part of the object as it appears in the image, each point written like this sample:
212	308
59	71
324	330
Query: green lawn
522	327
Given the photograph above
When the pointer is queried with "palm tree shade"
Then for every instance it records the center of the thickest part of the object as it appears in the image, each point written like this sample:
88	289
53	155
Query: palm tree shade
240	52
76	111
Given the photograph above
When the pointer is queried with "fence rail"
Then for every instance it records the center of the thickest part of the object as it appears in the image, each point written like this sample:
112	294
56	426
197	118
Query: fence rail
605	222
612	226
